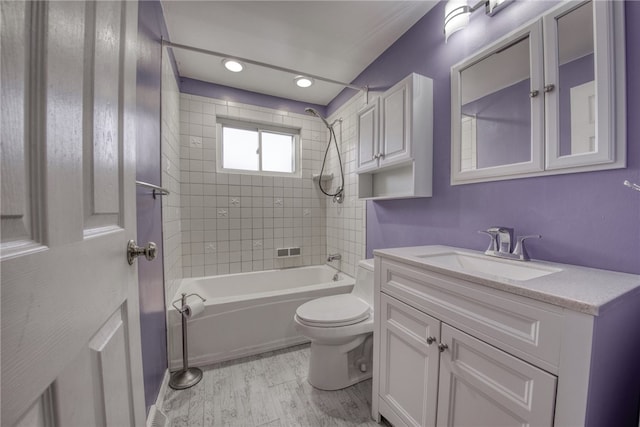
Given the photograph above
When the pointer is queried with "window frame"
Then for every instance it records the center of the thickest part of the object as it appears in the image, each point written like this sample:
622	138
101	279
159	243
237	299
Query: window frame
258	127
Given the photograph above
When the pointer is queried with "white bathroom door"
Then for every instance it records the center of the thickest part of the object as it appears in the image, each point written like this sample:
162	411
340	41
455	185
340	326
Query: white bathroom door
69	302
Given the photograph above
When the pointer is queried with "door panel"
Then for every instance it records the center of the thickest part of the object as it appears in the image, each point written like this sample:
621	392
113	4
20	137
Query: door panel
102	151
70	321
368	137
395	126
408	363
480	385
20	205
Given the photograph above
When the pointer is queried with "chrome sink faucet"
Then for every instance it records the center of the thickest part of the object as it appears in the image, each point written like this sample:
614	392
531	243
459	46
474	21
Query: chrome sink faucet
501	244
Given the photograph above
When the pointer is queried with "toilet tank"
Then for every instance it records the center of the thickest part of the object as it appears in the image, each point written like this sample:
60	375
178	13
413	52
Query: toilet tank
364	281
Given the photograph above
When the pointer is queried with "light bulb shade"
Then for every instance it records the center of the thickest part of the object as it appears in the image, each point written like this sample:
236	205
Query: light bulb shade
303	81
495	6
232	65
456	16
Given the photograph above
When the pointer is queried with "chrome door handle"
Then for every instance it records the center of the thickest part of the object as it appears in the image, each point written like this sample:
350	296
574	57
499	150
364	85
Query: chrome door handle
134	251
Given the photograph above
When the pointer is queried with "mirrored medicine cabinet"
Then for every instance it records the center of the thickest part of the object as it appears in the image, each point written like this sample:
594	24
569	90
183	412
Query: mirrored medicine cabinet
548	98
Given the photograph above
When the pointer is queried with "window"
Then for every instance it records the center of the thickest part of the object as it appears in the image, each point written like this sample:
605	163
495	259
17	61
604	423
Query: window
245	147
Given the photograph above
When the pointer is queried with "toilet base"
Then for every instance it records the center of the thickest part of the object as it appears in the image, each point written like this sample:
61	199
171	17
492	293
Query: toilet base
333	367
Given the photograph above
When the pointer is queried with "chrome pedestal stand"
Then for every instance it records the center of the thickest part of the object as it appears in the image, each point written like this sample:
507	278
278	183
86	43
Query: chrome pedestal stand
187	377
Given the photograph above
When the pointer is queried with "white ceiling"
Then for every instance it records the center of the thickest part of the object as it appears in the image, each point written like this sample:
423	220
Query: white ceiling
333	39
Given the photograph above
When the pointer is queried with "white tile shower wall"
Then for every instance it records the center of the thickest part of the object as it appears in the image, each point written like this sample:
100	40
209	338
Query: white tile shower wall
233	223
170	131
346	221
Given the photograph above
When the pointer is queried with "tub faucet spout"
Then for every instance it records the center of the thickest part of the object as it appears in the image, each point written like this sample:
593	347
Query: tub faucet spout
334	257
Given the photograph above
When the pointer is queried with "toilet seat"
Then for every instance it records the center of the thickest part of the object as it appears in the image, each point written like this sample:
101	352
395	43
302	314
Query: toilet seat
333	311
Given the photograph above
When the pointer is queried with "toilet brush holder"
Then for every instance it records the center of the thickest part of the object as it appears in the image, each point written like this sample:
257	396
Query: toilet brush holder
186	377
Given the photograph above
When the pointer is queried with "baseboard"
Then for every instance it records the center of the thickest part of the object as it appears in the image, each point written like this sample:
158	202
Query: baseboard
157	417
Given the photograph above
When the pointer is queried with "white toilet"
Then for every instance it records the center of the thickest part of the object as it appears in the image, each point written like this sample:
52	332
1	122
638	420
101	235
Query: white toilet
340	328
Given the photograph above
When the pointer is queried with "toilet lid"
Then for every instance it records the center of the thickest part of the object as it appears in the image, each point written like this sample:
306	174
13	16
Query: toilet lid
334	310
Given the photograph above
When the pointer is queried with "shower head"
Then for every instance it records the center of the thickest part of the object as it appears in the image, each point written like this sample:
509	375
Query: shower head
315	112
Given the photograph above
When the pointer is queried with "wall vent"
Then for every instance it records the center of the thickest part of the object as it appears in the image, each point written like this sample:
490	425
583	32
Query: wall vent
288	252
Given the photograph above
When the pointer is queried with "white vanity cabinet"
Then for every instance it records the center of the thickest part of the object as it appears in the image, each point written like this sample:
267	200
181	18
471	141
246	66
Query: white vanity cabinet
395	141
451	352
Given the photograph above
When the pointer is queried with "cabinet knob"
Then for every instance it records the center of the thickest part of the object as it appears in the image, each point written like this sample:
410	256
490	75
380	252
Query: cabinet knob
442	347
431	340
549	88
534	93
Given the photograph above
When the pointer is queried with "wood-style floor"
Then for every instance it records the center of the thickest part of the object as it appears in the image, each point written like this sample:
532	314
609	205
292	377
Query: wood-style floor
269	389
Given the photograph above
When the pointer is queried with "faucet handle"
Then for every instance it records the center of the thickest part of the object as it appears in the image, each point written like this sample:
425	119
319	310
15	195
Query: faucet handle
493	233
505	238
520	249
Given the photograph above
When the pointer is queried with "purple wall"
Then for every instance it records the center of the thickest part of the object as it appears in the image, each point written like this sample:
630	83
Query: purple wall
586	219
503	125
148	169
212	90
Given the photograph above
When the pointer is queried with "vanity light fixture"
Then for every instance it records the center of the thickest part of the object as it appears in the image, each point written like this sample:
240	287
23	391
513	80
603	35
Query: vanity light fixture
232	65
457	12
303	81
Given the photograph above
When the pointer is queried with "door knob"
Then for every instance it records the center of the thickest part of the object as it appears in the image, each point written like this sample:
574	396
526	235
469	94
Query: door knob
134	251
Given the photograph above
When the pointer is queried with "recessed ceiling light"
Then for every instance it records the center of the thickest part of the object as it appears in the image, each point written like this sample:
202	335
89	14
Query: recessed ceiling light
303	81
232	65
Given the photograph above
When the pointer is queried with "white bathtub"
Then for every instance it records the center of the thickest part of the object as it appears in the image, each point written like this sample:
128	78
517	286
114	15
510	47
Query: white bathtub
248	313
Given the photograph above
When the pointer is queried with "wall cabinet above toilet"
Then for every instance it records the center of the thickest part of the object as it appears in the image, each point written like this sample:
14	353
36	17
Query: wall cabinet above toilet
395	141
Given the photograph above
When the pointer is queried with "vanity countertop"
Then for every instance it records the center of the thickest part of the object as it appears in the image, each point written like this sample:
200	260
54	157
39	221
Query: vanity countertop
581	289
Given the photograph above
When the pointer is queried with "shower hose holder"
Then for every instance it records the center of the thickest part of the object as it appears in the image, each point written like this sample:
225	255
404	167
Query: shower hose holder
186	377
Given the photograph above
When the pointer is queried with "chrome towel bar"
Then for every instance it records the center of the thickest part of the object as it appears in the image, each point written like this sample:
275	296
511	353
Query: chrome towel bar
632	185
157	191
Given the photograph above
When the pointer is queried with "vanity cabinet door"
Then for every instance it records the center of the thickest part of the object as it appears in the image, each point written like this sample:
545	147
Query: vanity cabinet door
395	140
409	360
368	137
482	386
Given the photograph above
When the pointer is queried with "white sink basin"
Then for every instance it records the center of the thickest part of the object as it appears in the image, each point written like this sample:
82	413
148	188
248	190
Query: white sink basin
468	263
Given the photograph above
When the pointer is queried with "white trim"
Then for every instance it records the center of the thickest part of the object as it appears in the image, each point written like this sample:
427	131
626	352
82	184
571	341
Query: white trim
156	413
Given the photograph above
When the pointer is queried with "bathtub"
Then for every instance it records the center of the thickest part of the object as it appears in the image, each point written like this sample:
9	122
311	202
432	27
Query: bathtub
248	313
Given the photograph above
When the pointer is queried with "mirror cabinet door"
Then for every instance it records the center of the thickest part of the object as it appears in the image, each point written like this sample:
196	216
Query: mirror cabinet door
497	112
575	100
575	117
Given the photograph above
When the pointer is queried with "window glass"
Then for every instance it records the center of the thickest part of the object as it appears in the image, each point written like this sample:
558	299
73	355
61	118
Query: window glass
240	149
261	149
277	152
